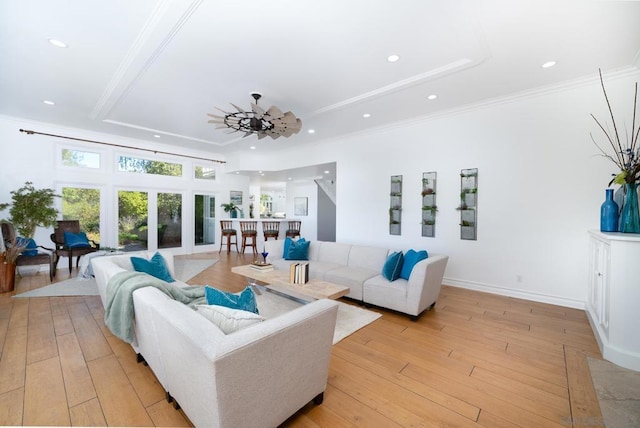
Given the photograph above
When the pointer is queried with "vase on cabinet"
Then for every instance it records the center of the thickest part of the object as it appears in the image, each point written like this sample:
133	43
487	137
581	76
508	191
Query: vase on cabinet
630	216
609	213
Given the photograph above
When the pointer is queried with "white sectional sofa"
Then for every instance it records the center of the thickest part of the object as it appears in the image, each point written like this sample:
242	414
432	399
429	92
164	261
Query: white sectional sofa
255	377
360	268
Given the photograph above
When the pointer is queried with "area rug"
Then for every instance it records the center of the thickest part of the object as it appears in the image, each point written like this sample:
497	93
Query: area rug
185	269
618	391
350	318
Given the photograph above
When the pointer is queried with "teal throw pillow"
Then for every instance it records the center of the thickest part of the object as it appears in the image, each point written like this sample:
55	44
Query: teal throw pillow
393	266
245	301
30	246
156	266
298	250
287	244
76	240
411	257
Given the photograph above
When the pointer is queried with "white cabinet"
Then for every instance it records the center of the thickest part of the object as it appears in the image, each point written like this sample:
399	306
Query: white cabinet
613	303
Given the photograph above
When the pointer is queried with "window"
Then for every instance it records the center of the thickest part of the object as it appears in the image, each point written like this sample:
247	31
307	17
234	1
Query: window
146	166
80	158
205	173
83	204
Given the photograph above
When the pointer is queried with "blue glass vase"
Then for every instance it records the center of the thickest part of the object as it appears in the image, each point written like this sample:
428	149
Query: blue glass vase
609	213
630	217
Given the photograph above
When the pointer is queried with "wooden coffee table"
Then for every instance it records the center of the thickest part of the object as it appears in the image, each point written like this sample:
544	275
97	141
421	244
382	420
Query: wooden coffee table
278	281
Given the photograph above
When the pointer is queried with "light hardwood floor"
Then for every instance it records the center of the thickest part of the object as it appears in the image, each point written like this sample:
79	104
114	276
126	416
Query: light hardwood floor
475	360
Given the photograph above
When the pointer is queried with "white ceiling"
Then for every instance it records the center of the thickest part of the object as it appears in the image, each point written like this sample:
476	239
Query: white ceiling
145	67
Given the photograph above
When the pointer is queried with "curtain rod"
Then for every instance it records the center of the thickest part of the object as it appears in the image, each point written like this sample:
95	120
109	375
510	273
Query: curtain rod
29	132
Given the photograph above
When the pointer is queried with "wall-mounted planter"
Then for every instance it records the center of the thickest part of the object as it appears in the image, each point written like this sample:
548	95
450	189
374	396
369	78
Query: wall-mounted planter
429	207
395	205
468	203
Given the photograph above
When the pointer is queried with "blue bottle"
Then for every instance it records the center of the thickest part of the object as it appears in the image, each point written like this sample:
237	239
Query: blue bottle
609	213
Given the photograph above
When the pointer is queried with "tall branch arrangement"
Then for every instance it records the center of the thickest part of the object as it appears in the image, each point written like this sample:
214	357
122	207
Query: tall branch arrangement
626	156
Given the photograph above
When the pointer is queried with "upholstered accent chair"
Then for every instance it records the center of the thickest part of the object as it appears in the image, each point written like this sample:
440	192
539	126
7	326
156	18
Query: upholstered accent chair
71	242
41	258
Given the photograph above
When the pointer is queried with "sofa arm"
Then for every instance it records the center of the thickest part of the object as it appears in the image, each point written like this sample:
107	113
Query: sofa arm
425	282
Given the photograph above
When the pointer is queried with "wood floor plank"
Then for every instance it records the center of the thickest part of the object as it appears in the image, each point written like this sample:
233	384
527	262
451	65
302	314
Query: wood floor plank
87	414
77	380
120	404
13	363
93	343
164	415
585	409
11	407
354	410
45	400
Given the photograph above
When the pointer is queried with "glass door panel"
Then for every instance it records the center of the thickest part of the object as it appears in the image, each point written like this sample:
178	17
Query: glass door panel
204	221
133	213
169	220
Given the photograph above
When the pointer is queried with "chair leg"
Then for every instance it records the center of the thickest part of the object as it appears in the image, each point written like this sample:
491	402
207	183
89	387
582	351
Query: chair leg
70	262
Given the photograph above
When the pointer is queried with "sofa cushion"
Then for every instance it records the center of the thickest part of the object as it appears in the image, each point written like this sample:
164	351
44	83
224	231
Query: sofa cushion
333	252
245	300
351	277
227	319
393	266
155	266
367	257
31	248
411	257
380	292
76	240
298	250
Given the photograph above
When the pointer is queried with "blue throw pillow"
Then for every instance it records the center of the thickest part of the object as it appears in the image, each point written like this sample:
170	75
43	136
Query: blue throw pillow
393	266
245	301
411	257
298	250
30	249
287	244
156	266
76	240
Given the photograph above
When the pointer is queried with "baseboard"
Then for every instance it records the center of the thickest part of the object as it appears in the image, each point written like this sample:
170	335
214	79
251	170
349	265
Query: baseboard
526	295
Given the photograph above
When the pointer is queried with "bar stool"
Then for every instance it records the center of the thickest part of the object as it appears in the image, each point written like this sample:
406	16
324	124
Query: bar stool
294	229
270	229
226	229
249	230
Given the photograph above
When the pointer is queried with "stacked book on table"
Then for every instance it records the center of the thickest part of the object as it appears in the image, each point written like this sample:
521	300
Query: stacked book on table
262	267
299	273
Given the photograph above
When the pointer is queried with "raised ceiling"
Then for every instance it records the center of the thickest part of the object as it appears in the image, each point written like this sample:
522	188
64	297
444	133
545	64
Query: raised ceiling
156	67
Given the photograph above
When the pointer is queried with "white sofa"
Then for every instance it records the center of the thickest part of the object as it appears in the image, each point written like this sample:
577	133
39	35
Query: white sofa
360	268
255	377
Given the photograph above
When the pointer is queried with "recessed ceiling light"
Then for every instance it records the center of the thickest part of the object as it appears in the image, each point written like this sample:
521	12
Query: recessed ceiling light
58	43
432	97
288	178
156	136
393	58
327	172
366	115
548	64
252	147
49	103
311	131
237	172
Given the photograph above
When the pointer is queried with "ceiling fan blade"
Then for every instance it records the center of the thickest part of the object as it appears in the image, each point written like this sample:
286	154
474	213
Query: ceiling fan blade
246	134
215	116
215	121
239	109
261	135
226	113
273	134
274	112
257	110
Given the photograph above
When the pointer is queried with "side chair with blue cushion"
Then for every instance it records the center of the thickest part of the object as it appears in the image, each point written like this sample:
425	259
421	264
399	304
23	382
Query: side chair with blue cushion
71	242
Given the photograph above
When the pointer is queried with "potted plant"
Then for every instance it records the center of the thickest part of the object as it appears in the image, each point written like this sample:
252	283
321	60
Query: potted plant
230	208
31	208
8	259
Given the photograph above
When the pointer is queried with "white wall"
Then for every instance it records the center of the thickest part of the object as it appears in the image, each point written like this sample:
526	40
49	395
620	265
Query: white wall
35	158
540	187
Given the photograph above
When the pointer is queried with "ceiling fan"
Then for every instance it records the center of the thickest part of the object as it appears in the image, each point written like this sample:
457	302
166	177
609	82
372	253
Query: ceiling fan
272	122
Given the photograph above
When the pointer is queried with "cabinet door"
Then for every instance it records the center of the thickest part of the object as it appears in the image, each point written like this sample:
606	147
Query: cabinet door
598	299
